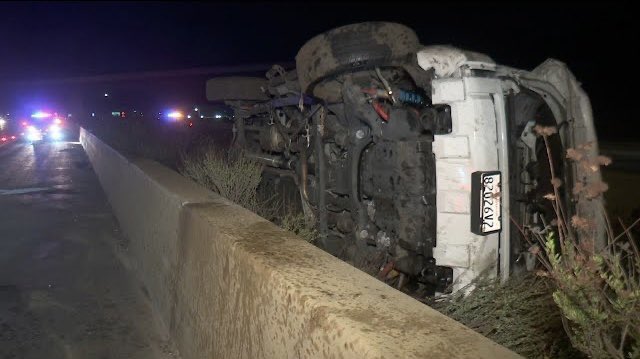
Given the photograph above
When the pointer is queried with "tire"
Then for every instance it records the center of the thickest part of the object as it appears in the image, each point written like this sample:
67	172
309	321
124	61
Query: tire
354	47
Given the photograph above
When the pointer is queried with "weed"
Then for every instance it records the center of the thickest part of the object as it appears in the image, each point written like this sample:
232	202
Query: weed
596	288
296	223
227	173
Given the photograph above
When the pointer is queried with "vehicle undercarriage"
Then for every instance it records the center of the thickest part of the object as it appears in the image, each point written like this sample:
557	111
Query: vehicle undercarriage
351	131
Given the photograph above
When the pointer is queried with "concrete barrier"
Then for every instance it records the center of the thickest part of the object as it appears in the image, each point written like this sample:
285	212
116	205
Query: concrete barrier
228	284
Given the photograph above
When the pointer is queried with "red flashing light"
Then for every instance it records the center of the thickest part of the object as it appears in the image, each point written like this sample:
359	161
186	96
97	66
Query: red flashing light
190	124
3	139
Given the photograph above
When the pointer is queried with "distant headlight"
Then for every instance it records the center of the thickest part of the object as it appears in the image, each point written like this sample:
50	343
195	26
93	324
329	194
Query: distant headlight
33	133
176	115
56	135
34	136
55	132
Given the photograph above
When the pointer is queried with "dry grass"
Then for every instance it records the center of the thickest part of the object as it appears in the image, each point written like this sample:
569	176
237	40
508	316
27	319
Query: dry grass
520	314
227	173
239	179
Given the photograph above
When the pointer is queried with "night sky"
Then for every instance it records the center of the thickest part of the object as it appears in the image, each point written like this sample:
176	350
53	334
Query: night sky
44	41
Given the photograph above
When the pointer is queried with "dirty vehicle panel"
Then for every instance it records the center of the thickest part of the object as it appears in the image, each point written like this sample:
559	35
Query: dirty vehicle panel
409	157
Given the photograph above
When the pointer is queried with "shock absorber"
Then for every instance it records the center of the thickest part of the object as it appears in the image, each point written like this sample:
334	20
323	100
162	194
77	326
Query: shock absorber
410	97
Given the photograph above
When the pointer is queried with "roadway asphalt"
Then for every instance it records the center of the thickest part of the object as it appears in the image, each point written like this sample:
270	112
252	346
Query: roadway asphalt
65	287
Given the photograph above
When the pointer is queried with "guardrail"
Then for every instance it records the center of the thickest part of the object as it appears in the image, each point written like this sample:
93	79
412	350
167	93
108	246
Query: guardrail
226	283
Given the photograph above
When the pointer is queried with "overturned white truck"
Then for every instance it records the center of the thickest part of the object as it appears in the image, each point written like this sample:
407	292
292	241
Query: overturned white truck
415	158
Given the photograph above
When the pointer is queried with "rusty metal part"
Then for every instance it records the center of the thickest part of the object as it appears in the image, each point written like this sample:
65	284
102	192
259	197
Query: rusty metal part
385	270
380	110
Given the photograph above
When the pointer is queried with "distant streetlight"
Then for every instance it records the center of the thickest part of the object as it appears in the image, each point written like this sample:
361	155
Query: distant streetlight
106	94
195	109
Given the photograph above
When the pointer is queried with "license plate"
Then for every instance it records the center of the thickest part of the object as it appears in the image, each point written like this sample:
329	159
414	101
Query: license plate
485	202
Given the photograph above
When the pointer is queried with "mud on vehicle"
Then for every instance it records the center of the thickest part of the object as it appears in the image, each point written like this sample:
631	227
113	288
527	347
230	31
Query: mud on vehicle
414	158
